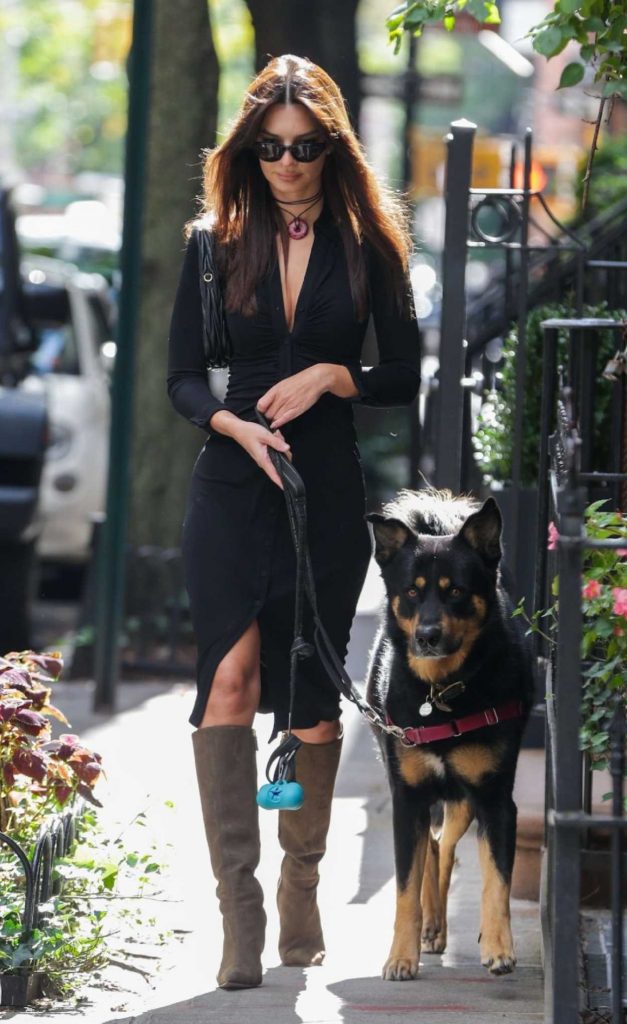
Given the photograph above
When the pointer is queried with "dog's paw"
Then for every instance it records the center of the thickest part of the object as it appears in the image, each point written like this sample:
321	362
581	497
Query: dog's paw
499	963
433	939
497	951
400	968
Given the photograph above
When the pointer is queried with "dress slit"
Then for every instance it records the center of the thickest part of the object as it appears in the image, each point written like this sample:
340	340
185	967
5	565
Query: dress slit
207	665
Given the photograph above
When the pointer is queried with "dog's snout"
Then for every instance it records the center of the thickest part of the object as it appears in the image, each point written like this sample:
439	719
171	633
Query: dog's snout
430	634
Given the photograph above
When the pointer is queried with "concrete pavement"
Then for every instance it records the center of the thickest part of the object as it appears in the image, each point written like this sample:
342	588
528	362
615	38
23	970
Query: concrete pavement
147	752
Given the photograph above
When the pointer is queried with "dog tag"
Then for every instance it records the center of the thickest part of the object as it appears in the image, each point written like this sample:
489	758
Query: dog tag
425	709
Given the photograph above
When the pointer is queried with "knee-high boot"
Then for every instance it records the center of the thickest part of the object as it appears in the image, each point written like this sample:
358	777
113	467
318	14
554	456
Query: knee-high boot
303	837
227	781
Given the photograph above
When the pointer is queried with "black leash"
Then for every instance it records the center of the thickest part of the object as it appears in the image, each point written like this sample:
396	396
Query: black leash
295	498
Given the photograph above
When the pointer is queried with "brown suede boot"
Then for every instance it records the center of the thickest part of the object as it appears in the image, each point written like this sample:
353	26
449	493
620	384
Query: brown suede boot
227	781
303	837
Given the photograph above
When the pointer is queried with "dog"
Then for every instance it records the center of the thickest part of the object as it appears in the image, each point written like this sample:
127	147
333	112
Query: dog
451	670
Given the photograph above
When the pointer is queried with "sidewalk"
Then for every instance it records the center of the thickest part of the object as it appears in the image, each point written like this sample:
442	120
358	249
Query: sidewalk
148	756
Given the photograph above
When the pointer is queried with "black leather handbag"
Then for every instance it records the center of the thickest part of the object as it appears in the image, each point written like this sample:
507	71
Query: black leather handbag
216	340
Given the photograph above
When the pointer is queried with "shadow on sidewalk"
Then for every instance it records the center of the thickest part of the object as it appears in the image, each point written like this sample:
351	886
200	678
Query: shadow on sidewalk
274	1002
444	993
361	777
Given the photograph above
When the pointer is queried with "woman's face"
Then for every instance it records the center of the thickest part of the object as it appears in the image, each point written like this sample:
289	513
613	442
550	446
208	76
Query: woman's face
288	123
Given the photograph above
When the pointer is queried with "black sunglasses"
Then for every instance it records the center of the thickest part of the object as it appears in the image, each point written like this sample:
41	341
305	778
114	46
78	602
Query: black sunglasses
304	152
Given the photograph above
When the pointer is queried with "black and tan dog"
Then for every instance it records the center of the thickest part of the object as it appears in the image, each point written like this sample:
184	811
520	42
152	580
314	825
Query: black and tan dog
451	669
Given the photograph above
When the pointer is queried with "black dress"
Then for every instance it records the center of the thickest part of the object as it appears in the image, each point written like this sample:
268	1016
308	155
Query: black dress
238	557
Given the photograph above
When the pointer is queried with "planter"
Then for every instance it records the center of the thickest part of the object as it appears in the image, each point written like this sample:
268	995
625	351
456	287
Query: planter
21	989
528	860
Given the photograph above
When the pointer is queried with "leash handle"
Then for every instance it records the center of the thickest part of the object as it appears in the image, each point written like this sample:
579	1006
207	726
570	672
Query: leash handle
289	475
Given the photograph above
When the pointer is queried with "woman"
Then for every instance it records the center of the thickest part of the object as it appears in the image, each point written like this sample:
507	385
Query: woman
308	244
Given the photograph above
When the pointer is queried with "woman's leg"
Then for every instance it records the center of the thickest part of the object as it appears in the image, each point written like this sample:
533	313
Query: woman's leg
226	766
234	694
303	836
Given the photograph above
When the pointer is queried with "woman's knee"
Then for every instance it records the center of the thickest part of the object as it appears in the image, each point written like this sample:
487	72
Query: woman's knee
235	689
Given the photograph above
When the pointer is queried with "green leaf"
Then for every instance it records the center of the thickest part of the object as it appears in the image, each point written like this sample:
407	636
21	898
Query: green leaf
415	16
569	6
21	955
548	42
594	25
618	27
615	89
571	75
492	17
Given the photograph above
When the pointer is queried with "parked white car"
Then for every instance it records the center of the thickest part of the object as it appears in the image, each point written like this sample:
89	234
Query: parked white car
72	318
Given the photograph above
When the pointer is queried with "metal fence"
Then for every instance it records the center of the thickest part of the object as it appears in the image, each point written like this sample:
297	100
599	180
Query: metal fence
55	839
569	816
537	266
157	637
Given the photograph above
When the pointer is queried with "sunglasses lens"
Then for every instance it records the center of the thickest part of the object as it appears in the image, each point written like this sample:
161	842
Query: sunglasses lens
269	151
305	152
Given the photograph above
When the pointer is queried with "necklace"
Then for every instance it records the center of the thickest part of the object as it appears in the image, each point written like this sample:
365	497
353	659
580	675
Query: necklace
294	202
297	227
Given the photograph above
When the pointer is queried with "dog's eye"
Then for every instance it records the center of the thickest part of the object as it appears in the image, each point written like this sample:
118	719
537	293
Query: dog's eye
411	592
455	592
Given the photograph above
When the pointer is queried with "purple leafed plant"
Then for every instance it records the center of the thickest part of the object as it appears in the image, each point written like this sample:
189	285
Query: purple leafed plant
49	772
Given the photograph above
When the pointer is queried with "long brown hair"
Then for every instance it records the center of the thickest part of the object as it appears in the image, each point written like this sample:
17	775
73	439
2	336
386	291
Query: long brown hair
237	201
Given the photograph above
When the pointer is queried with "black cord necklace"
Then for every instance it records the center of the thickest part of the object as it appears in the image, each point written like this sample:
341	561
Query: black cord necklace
293	202
297	227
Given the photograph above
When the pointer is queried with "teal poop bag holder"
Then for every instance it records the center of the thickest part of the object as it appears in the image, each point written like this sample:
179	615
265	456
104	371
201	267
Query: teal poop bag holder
282	792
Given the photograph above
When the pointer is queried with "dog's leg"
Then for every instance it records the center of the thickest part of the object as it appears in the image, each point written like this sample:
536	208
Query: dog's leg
497	845
457	818
411	838
430	897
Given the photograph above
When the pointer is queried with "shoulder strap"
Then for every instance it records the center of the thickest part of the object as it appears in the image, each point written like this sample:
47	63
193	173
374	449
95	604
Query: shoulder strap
215	334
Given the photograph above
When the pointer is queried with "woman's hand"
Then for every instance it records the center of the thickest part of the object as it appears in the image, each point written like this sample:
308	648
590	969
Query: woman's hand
294	395
254	438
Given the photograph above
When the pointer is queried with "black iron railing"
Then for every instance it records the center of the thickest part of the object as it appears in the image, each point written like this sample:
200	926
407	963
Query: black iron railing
569	814
157	637
537	266
55	839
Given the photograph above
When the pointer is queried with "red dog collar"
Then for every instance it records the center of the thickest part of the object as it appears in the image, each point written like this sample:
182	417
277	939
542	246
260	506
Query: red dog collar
421	734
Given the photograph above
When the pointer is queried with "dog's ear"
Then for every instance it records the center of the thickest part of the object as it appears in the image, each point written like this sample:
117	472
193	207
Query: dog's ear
482	531
389	536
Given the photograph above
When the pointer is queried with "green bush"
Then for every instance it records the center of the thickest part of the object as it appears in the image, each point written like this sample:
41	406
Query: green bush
493	439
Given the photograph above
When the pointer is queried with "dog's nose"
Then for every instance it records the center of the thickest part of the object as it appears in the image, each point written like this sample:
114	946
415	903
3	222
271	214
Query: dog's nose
430	634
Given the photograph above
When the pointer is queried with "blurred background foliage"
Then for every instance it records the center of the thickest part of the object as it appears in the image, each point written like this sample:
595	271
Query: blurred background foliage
70	104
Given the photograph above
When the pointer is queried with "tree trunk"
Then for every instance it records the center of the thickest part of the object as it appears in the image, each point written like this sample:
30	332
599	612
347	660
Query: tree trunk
182	121
324	31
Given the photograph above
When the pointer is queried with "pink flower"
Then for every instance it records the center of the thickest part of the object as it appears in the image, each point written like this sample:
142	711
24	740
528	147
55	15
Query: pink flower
553	537
622	552
620	601
592	589
618	631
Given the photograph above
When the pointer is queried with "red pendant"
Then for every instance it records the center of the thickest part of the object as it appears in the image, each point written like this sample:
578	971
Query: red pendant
297	228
